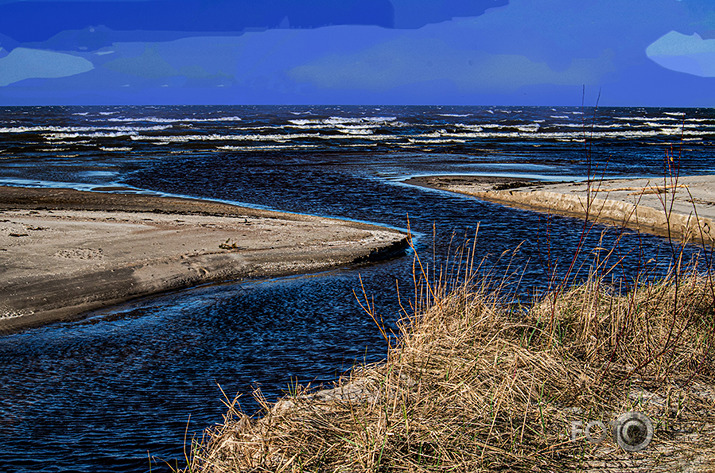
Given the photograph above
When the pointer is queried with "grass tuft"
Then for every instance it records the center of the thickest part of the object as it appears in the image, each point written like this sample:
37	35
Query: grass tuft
475	382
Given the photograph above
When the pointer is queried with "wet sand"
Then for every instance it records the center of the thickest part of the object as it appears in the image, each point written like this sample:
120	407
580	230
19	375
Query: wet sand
65	252
683	209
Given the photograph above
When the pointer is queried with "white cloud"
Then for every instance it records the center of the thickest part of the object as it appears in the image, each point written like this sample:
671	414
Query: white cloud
24	63
683	53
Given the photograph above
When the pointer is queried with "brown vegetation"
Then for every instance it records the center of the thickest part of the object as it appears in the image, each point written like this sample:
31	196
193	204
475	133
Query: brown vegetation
477	384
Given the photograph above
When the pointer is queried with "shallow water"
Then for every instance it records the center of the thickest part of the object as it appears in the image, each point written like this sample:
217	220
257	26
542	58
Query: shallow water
108	392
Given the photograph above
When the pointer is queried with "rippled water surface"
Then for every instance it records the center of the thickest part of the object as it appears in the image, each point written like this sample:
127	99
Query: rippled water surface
115	389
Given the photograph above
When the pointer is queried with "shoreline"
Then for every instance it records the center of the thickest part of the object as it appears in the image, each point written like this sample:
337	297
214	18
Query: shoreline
632	203
64	252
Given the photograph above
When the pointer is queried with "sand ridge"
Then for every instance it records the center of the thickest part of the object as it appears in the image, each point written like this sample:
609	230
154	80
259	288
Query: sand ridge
65	252
682	208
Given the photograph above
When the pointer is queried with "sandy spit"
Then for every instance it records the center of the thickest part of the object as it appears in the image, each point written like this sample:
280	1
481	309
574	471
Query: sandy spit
683	209
65	252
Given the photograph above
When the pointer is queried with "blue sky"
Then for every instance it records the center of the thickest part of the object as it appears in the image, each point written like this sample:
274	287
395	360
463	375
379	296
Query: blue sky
461	52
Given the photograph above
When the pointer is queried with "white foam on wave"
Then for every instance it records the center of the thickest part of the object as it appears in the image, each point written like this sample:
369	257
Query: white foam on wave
436	141
217	137
591	126
674	130
70	136
120	148
73	143
675	114
80	129
257	128
527	128
645	119
305	122
270	147
297	124
697	125
434	134
705	127
218	119
380	119
560	117
568	136
363	137
264	138
342	121
469	127
458	115
356	131
533	128
263	147
175	120
350	120
360	126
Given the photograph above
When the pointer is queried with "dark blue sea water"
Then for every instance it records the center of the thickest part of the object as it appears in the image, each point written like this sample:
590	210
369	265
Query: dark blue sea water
115	390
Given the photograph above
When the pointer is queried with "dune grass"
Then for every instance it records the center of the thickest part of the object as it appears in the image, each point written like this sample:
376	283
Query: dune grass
476	382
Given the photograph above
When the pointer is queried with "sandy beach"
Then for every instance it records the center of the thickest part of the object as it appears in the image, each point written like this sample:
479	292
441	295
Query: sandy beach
684	209
65	252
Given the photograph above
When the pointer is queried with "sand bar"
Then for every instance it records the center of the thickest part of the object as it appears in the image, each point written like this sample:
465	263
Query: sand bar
64	252
683	208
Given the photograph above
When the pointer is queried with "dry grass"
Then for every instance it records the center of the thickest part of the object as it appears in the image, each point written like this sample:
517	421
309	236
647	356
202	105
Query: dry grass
474	384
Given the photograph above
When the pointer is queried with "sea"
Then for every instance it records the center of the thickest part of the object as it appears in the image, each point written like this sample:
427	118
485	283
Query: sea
127	388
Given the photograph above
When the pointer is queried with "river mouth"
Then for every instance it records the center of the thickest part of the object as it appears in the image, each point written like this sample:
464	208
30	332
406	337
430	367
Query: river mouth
100	393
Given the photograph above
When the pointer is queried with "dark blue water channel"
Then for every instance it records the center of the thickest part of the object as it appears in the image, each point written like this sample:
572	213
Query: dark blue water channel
115	390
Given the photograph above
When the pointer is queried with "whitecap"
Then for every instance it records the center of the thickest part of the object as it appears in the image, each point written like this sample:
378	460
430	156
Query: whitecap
175	120
533	128
644	119
263	147
79	129
437	141
470	127
65	136
356	131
